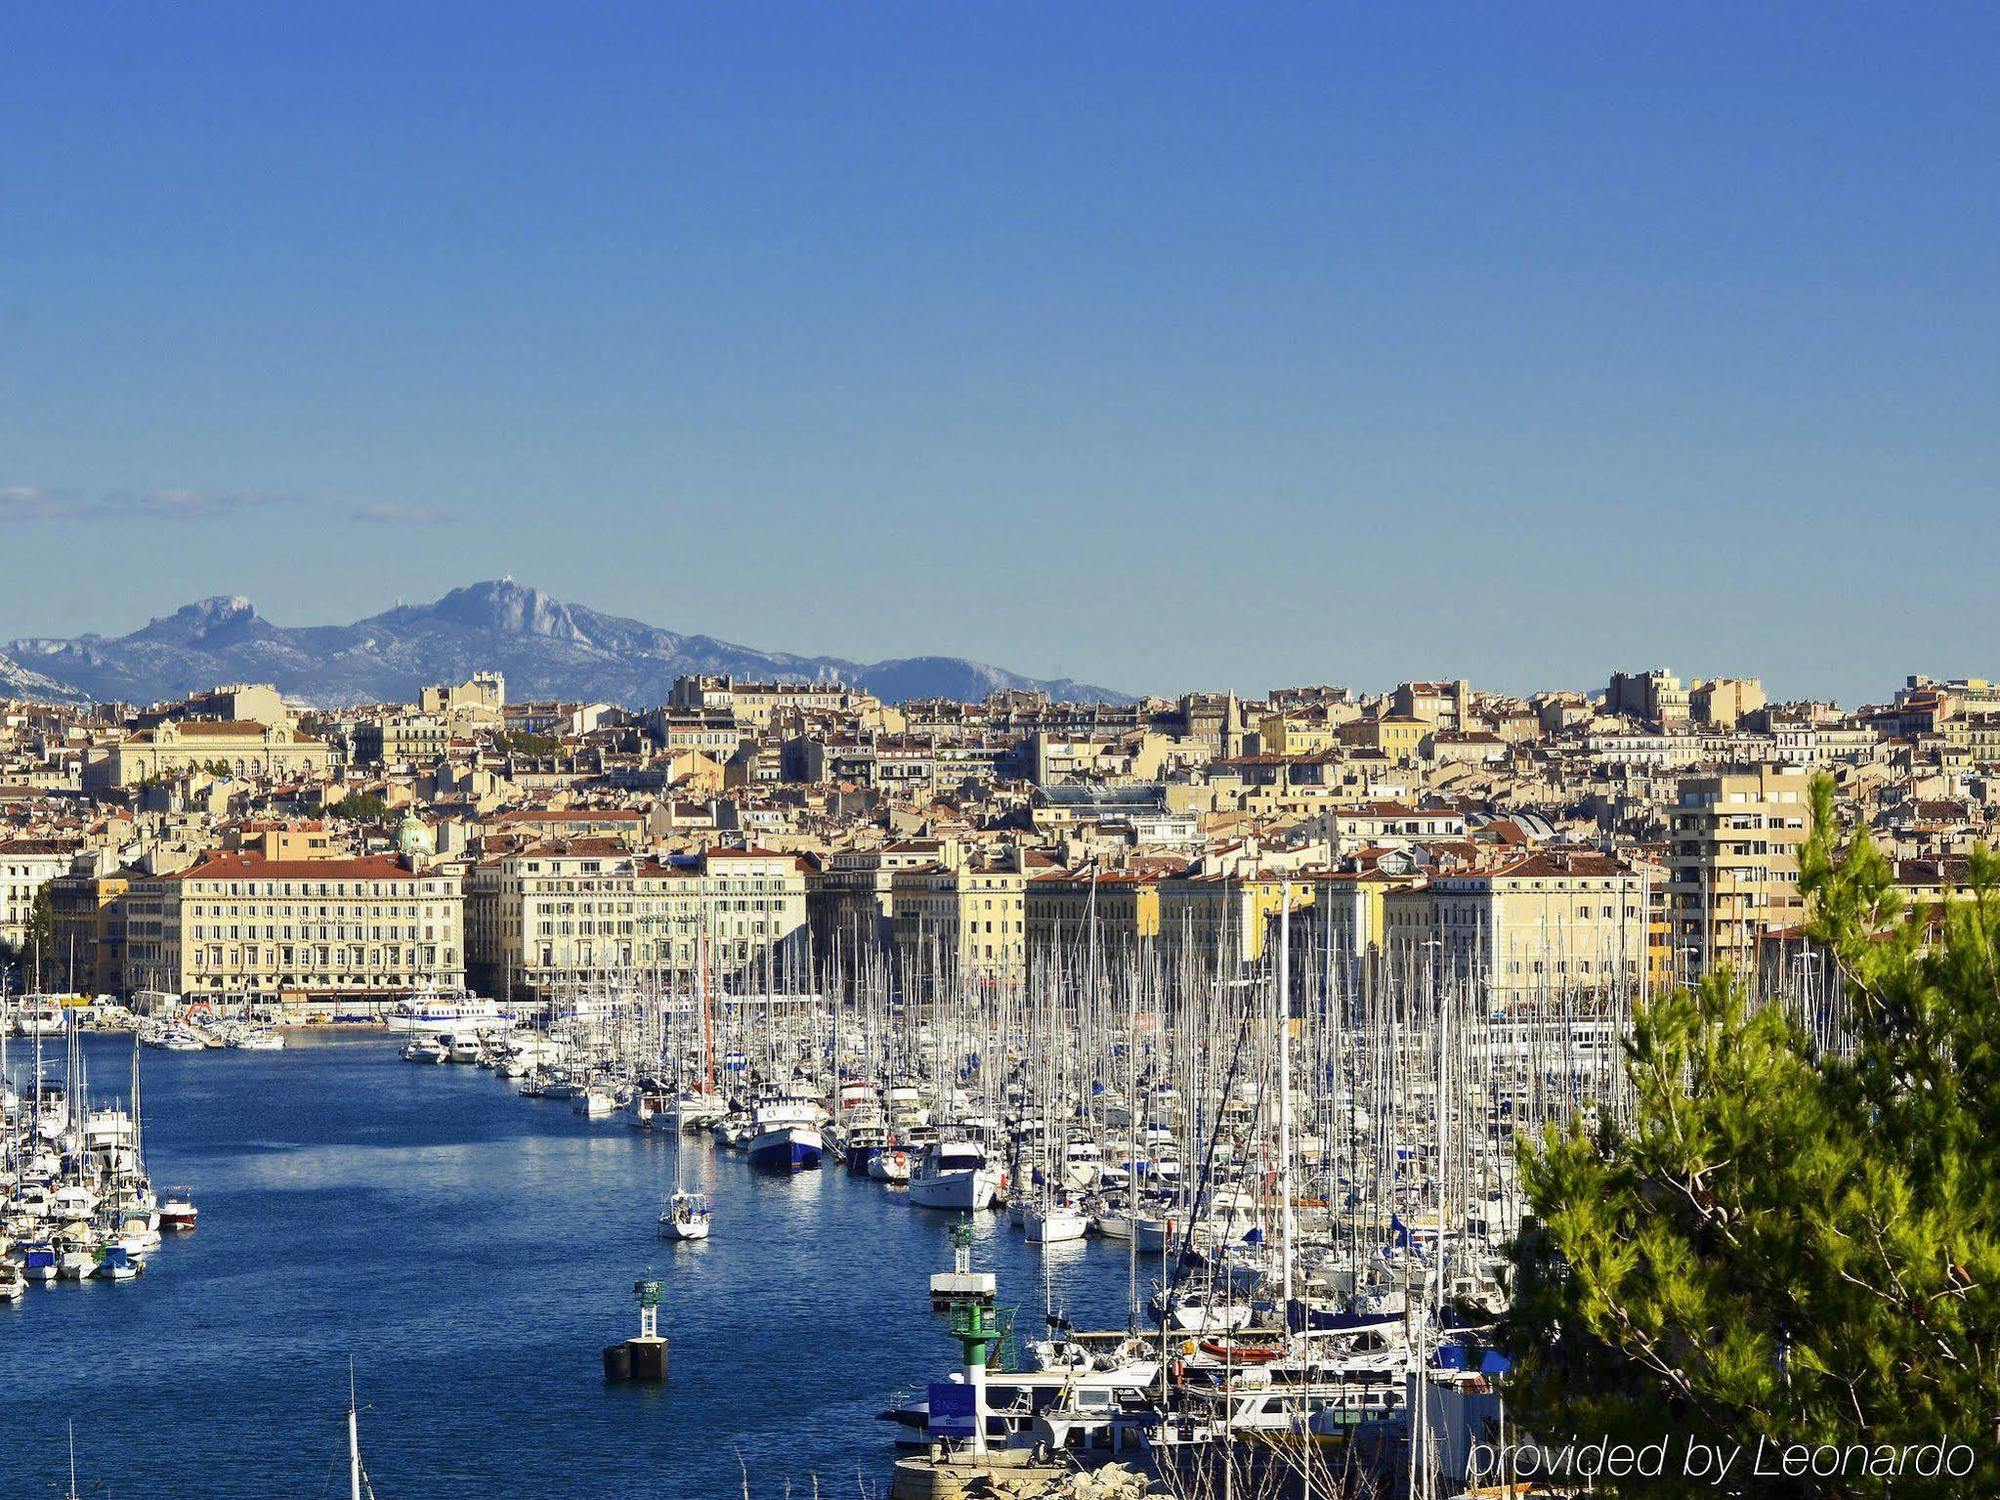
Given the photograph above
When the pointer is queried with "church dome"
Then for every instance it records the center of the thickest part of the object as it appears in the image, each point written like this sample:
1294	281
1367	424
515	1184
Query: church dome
414	835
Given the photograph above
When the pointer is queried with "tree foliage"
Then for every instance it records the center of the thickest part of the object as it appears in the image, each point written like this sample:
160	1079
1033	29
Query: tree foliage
362	807
1787	1244
533	746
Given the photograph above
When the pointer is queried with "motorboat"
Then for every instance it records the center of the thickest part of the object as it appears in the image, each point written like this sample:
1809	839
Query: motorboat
177	1211
784	1134
38	1260
890	1164
953	1174
38	1015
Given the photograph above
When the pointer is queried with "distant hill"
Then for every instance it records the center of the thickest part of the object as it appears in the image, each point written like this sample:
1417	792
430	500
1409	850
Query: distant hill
546	648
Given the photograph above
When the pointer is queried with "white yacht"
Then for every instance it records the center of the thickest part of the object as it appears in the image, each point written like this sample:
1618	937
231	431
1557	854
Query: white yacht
1050	1221
38	1015
954	1175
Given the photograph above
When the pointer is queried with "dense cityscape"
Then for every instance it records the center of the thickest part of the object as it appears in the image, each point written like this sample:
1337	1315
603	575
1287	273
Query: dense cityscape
1646	828
968	752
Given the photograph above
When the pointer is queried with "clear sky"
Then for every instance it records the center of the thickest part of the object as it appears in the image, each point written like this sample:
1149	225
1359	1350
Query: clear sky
1157	345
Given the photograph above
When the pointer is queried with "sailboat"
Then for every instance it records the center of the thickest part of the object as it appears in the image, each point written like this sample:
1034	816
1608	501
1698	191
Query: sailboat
686	1215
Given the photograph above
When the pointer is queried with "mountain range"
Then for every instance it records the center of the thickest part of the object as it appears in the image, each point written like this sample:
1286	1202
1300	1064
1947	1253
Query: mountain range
546	649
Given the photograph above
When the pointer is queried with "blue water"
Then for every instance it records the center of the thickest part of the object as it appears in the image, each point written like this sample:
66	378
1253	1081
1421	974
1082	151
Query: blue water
473	1251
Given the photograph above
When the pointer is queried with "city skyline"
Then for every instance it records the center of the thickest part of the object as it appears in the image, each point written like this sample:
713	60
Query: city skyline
479	646
1513	348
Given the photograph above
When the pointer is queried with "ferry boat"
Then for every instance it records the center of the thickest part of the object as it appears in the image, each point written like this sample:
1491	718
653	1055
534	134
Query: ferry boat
784	1134
953	1175
459	1011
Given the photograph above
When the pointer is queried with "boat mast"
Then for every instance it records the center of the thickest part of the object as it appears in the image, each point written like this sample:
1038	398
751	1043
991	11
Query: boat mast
353	1439
1285	1086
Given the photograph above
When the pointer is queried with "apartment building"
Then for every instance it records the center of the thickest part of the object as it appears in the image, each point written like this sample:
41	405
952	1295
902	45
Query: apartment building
851	898
238	926
400	740
1223	920
1547	920
87	913
969	921
558	914
761	704
26	865
1117	909
1734	862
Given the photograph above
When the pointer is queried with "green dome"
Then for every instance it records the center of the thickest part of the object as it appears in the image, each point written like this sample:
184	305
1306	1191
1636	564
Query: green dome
414	836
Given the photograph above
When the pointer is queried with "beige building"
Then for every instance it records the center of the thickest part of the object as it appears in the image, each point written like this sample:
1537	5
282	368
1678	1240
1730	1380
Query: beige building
26	865
400	740
589	909
1735	862
761	704
1546	921
1118	909
1224	920
967	924
239	926
244	747
1657	696
1445	705
1304	731
87	912
482	697
851	900
1725	701
1397	737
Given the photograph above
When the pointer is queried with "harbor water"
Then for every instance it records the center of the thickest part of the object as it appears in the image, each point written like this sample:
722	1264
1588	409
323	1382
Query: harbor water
472	1251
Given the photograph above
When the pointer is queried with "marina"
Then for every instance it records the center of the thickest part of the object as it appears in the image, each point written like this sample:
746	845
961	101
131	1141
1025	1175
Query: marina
471	1251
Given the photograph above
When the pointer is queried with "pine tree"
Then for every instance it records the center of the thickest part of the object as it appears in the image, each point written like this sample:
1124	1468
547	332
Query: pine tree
1782	1244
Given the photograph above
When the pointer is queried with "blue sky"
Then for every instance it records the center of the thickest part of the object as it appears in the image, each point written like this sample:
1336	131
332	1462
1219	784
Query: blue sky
1157	345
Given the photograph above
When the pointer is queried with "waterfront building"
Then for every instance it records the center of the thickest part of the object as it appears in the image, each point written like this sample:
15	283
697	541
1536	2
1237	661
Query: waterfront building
1544	921
965	920
559	914
87	926
238	926
1117	908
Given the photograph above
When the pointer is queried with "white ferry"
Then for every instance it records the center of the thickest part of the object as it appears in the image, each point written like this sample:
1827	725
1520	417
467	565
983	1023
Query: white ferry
455	1011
